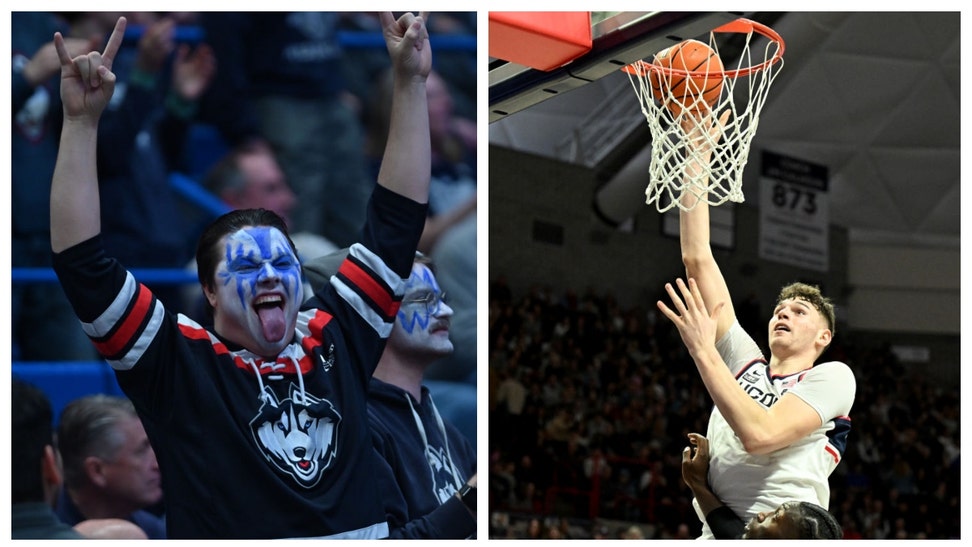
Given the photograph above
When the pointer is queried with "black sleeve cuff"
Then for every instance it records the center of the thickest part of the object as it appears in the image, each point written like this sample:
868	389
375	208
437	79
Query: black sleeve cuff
725	524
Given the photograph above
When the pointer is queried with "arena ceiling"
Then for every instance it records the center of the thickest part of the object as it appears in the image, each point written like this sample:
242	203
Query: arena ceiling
872	96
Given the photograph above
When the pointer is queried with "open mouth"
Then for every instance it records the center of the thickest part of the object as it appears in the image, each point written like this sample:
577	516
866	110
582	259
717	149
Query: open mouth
268	301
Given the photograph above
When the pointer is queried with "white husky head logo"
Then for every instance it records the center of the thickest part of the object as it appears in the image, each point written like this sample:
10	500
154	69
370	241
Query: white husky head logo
298	435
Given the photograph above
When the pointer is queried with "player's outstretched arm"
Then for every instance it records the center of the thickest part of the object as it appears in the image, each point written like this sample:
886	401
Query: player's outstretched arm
87	84
406	164
694	234
761	430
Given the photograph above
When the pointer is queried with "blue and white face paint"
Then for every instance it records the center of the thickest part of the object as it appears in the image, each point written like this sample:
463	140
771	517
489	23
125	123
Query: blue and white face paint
422	324
258	290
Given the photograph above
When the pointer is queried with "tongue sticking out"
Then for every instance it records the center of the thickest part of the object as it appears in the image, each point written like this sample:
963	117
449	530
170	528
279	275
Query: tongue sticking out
272	320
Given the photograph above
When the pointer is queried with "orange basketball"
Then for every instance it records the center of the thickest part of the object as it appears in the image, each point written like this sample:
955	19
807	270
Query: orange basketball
687	91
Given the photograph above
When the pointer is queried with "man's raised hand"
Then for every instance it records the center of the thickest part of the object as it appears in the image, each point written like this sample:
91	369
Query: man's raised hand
407	39
87	82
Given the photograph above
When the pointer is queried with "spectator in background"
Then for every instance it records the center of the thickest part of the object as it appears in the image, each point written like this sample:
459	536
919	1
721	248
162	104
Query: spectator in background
279	85
40	314
449	236
452	191
36	475
110	469
249	177
450	233
430	458
362	66
141	136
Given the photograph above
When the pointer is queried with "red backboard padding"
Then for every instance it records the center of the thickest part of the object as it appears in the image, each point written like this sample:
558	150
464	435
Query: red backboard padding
543	40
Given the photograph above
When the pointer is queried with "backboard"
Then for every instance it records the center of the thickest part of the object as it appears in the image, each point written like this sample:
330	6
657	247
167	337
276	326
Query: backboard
618	39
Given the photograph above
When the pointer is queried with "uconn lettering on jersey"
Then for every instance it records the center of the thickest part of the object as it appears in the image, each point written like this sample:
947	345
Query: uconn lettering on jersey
767	390
754	381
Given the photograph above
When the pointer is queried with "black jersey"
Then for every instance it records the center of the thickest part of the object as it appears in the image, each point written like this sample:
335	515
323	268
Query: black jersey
250	448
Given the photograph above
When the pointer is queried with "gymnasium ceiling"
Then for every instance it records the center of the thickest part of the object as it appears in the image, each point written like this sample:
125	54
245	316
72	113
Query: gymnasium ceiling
874	97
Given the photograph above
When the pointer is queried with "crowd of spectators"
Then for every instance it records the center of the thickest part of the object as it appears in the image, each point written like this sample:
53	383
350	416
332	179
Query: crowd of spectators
197	87
591	401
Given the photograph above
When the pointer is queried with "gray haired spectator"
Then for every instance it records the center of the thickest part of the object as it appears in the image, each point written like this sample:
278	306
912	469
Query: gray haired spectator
110	470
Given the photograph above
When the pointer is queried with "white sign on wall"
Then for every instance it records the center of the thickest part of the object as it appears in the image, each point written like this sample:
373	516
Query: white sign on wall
794	213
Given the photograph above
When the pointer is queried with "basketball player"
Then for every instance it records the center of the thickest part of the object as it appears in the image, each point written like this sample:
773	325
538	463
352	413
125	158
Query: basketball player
260	426
792	520
779	427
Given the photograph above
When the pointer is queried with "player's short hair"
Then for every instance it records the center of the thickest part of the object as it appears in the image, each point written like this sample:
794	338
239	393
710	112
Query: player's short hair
813	522
812	294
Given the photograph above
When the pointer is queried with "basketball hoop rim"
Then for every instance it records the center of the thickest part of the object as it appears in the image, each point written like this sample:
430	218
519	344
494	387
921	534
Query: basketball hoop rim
740	26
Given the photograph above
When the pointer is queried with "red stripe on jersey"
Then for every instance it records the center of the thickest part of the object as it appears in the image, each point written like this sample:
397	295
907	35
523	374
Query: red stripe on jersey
833	452
316	325
193	332
199	333
370	286
129	325
315	331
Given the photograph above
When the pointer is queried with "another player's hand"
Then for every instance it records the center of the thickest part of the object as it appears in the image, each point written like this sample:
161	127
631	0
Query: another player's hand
87	82
695	462
696	326
407	40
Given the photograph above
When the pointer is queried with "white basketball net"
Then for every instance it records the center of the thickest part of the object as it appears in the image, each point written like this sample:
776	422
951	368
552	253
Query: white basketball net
678	154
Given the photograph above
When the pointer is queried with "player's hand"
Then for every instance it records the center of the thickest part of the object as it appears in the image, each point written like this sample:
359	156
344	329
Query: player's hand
702	132
87	81
695	325
407	40
695	462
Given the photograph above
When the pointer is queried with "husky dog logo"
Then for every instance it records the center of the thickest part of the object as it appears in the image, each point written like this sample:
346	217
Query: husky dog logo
445	476
298	435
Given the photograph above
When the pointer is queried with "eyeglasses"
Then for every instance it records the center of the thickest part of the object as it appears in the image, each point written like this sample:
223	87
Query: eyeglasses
431	301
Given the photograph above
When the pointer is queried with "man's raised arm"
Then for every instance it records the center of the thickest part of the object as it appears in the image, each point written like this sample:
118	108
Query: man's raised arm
406	164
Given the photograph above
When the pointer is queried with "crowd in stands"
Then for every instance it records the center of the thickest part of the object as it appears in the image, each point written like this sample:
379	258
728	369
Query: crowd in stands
195	88
591	401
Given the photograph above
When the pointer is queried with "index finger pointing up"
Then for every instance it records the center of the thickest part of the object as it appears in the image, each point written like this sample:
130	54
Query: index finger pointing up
62	53
114	43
